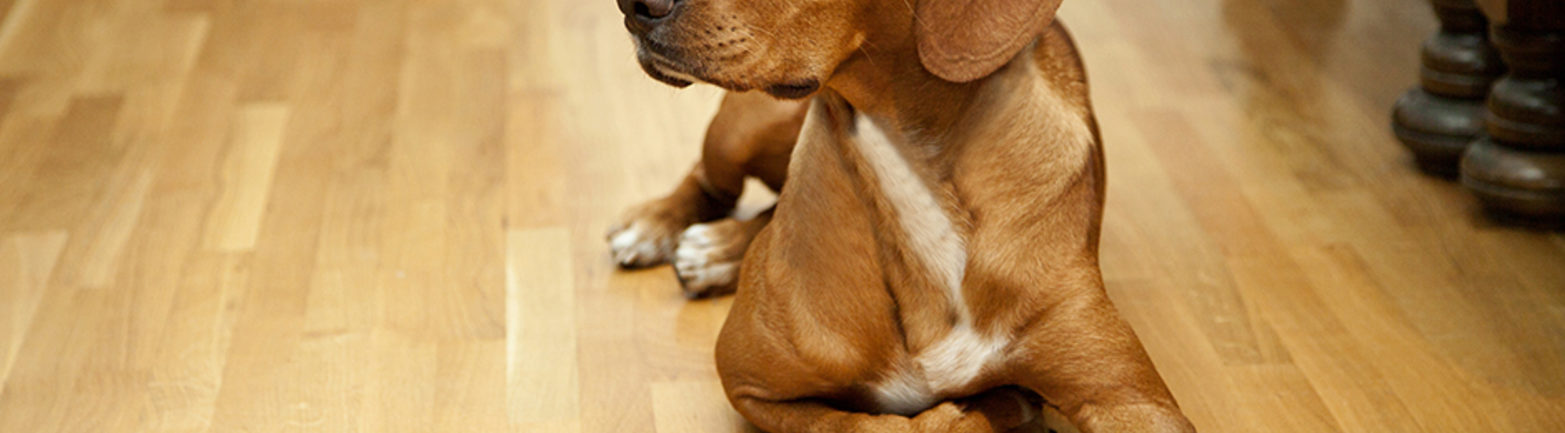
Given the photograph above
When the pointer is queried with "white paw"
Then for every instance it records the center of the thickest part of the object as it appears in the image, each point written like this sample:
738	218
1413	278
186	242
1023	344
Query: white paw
705	260
637	245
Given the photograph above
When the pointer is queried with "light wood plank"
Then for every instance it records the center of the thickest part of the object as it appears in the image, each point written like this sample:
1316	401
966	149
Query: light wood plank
541	341
26	262
246	177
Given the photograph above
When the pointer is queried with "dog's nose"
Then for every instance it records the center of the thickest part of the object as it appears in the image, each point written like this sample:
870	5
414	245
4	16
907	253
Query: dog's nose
647	10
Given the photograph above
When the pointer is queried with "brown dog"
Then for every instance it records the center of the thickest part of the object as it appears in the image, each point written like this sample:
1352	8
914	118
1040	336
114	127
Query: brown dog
937	238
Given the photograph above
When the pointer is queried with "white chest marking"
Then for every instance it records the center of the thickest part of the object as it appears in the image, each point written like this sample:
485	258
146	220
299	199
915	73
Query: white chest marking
942	368
929	232
961	355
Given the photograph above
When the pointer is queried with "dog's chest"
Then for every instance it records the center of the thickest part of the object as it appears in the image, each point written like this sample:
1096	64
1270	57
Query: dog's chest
932	244
925	234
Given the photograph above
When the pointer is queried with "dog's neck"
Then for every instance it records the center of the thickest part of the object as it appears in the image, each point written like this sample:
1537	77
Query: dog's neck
885	78
894	88
890	85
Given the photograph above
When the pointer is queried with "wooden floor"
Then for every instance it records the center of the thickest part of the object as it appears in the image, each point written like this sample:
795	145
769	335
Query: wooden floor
386	216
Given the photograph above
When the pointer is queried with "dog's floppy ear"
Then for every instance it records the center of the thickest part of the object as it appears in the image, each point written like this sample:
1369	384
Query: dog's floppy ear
964	40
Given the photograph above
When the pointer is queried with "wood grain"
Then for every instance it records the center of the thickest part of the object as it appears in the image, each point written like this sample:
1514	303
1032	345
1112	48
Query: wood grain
387	216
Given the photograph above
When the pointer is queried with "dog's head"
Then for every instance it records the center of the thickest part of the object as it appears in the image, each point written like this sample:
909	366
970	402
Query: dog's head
790	47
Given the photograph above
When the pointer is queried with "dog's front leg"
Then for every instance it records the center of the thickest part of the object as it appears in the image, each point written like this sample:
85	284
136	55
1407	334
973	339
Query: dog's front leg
1085	360
998	410
647	233
752	135
709	255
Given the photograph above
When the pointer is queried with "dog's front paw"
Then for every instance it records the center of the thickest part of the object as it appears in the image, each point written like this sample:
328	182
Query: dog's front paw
707	260
647	234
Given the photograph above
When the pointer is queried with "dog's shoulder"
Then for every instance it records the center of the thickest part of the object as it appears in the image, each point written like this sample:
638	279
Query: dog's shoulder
1056	56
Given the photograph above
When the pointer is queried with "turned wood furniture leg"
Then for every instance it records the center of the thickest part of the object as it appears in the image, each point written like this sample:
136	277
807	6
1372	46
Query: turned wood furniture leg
1518	168
1438	119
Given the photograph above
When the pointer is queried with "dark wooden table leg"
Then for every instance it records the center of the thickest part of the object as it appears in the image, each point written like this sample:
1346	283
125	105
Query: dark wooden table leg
1438	119
1519	167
